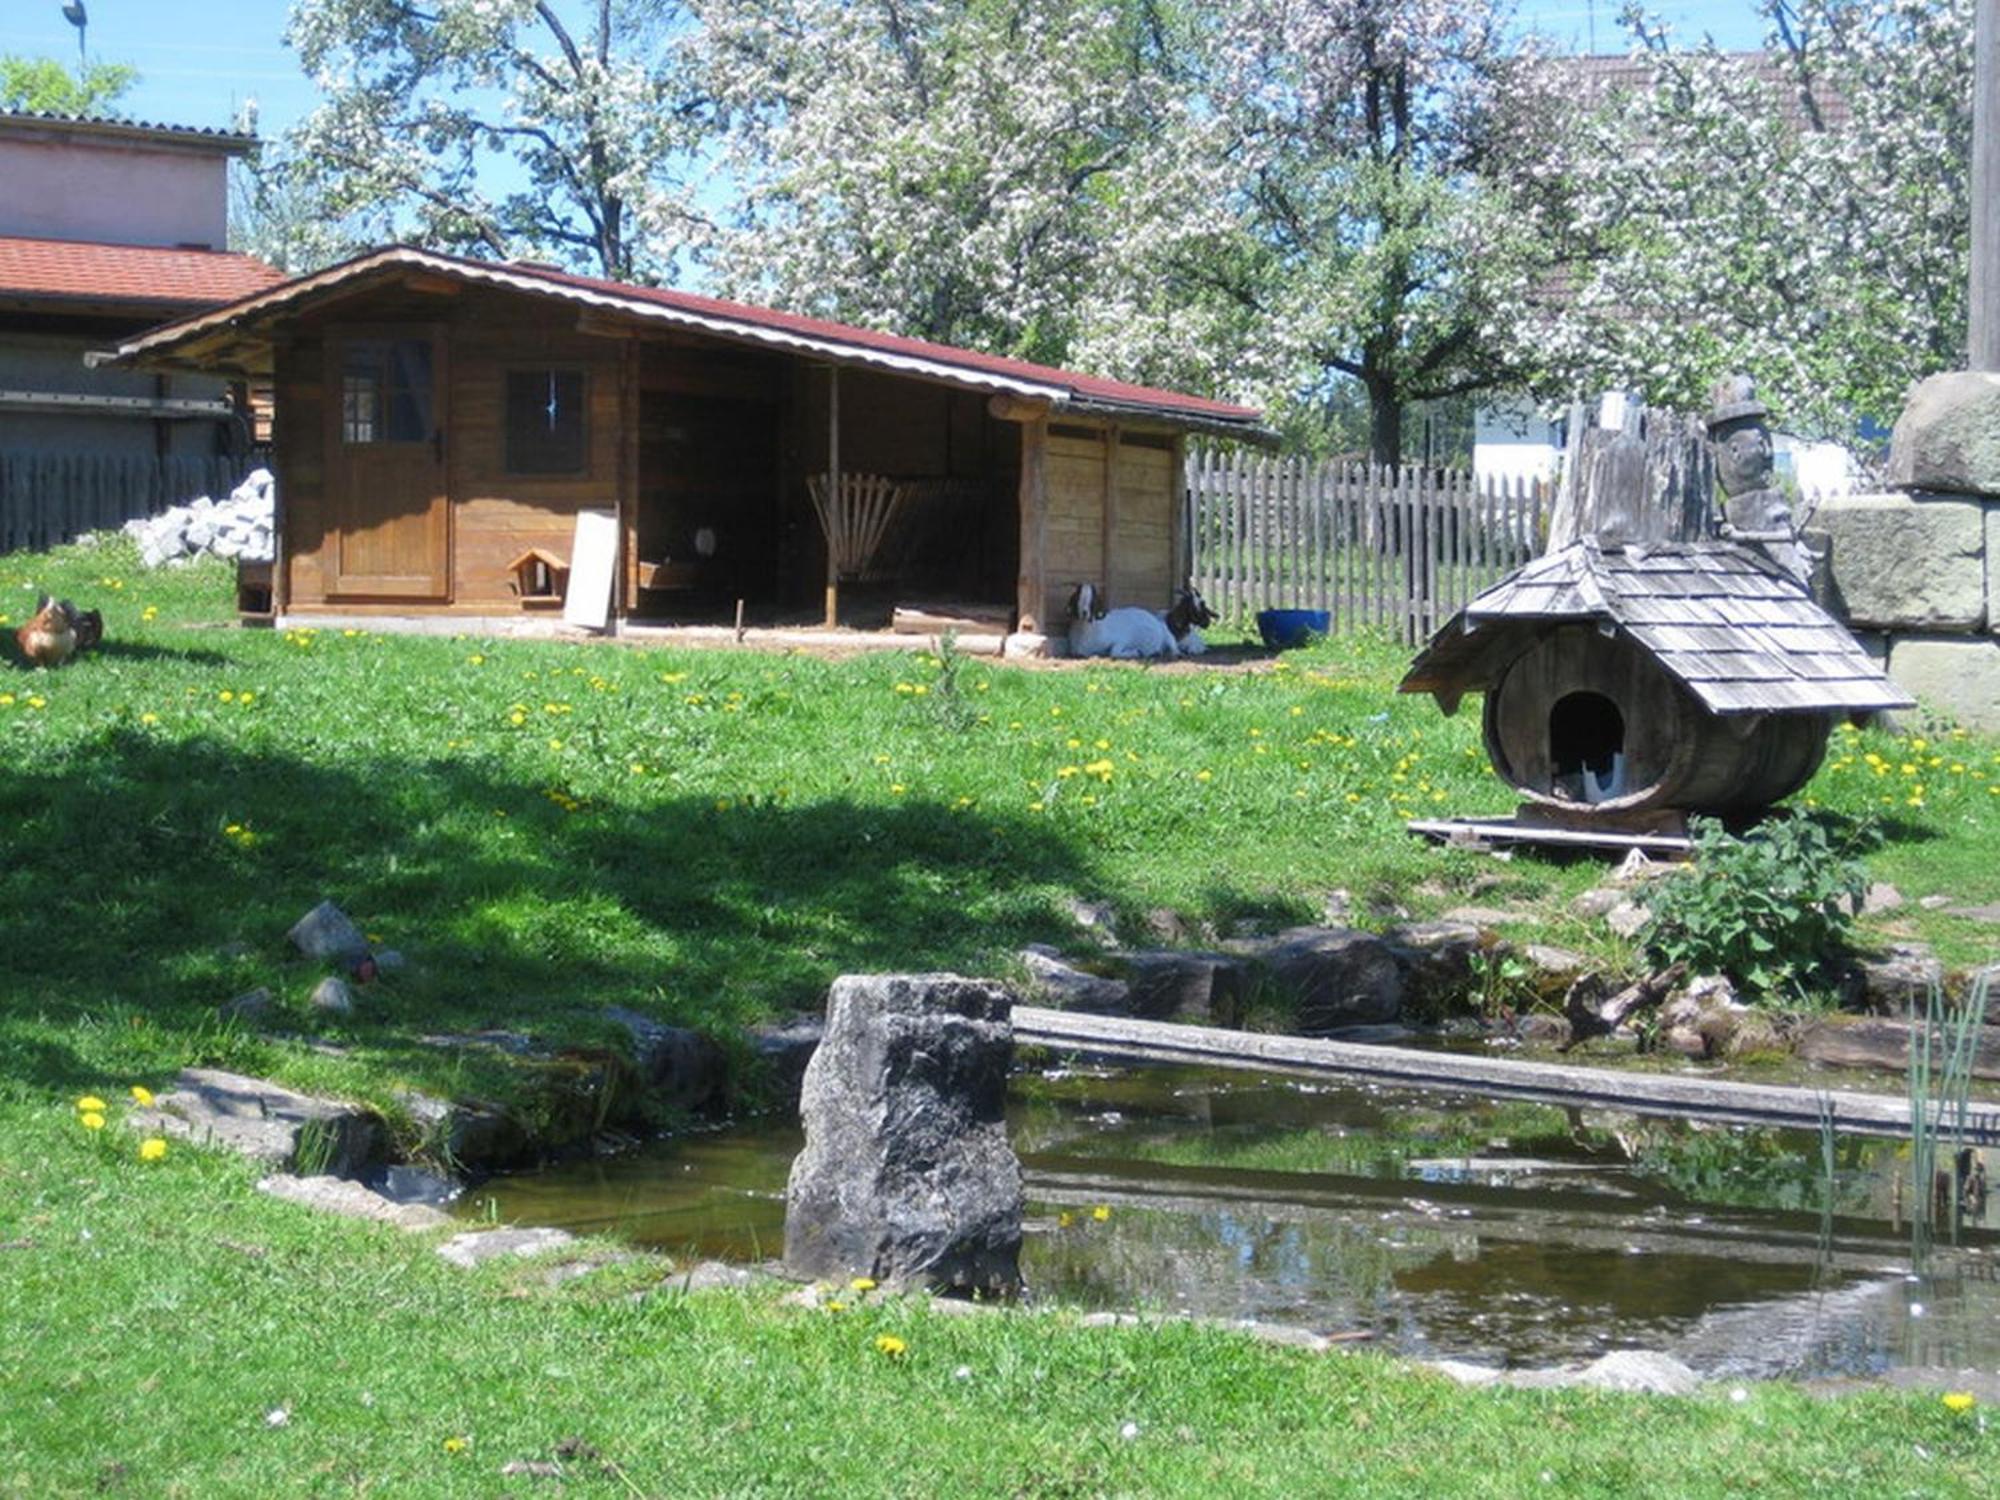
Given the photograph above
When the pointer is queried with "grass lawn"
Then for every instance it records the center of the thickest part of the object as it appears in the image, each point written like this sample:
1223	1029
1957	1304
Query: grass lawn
545	829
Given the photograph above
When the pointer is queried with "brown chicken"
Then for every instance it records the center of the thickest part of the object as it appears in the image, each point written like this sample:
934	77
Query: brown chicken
49	638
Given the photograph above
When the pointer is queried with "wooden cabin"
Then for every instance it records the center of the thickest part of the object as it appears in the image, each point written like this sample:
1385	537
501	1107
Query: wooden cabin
1627	686
438	419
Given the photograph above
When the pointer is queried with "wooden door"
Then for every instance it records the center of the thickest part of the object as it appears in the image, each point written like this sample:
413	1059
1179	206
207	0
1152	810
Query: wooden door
388	512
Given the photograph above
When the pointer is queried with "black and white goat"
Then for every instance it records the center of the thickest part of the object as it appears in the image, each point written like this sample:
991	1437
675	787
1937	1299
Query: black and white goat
1128	632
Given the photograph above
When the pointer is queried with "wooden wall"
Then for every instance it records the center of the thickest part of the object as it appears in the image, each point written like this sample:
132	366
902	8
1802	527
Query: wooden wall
1108	494
495	515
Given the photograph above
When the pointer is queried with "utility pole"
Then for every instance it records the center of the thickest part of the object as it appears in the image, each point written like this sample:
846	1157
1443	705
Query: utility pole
1983	335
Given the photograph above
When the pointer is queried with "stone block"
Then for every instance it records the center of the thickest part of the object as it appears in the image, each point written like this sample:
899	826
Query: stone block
1993	567
907	1175
328	932
1948	437
339	1195
1903	562
1956	675
1333	977
267	1122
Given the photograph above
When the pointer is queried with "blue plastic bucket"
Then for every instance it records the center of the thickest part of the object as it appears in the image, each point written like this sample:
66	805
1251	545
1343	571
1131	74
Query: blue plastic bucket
1283	629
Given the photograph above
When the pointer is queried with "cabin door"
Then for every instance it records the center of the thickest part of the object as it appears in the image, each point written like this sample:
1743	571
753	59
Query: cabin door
389	526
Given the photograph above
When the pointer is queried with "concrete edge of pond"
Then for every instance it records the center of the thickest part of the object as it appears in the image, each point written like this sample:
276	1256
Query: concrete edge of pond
1723	1101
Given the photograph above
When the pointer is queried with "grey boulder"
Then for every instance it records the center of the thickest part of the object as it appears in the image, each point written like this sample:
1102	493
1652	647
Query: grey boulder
907	1175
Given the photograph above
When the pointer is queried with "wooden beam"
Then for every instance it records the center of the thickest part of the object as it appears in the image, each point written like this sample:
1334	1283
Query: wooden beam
1182	565
1031	582
426	284
832	490
598	325
1016	409
1714	1099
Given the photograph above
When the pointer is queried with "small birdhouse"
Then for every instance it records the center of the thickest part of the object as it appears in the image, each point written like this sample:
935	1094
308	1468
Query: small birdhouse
540	576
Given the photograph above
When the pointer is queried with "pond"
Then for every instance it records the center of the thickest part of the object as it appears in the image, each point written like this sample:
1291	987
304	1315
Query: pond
1430	1224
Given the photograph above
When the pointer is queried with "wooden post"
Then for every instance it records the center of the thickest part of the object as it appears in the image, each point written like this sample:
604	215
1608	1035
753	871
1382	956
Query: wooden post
832	490
1983	336
1108	515
1031	583
1178	528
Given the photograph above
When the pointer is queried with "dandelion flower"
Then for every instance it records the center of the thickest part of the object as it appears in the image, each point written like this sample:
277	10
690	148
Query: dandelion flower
889	1344
142	1096
457	1444
834	1307
863	1283
152	1149
1957	1401
90	1119
1100	1213
90	1103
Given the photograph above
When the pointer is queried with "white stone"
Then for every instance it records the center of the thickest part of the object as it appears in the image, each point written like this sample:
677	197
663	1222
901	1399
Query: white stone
338	1195
482	1245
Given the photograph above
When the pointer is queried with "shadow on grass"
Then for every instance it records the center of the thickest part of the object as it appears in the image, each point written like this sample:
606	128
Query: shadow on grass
149	880
123	650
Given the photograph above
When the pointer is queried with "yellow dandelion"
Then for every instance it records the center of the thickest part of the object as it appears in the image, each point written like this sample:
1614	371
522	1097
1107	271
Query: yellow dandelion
246	699
142	1096
1958	1401
149	718
834	1307
1204	776
863	1283
896	789
91	1103
1065	1219
91	1120
457	1444
637	769
150	612
226	696
888	1344
1101	1213
152	1148
38	701
555	744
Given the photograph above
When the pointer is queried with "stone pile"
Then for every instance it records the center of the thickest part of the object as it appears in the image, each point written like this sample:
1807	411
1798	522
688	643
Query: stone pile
1916	570
238	527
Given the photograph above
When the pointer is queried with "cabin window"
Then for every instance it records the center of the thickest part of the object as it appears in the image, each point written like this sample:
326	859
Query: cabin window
385	391
545	422
1587	747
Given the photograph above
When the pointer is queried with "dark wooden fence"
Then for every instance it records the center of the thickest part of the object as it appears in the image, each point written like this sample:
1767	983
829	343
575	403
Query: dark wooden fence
50	498
1392	549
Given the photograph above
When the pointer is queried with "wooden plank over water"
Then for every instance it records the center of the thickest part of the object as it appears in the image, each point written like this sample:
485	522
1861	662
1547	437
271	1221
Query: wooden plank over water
1682	1096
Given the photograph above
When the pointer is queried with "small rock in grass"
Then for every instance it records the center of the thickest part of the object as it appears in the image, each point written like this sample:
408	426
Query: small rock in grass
1626	918
1095	917
1934	902
1066	987
389	960
1881	897
328	932
1598	901
481	1245
252	1005
333	996
338	1195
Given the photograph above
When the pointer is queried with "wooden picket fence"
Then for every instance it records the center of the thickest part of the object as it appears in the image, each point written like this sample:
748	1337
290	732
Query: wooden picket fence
50	498
1395	549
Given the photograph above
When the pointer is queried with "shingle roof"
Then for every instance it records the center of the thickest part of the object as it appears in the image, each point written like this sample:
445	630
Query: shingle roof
1731	625
835	342
162	279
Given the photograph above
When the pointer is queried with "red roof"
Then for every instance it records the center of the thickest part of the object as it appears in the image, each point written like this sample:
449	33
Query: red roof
148	276
1089	387
836	342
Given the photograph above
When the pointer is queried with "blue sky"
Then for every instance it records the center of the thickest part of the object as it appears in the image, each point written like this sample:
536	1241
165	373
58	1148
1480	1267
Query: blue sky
199	61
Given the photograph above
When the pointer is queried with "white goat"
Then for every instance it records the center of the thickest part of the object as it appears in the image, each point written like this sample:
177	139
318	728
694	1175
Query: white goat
1127	632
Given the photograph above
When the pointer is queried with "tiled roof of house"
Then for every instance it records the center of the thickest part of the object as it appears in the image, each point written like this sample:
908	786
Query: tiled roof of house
1595	77
138	276
741	322
1728	623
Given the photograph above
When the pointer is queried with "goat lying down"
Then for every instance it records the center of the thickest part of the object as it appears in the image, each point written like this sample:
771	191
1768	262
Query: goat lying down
1130	632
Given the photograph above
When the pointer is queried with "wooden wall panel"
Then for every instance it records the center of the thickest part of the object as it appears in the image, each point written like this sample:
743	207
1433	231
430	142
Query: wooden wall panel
1141	570
299	432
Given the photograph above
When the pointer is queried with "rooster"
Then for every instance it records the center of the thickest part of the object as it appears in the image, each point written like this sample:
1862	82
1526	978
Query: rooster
56	631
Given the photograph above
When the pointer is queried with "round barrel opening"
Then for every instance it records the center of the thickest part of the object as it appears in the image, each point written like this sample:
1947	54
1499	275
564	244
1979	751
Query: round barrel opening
1586	748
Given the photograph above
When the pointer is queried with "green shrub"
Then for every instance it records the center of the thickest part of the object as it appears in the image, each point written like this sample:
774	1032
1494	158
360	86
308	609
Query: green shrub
1770	910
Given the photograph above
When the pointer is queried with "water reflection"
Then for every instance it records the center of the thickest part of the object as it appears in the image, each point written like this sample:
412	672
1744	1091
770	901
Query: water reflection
1502	1232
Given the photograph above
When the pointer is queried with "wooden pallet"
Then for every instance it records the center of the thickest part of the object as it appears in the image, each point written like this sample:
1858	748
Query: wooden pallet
1481	832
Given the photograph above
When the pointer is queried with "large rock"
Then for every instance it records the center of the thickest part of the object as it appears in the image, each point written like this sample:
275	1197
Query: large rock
1063	986
266	1122
907	1175
1907	562
1206	989
1332	976
468	1135
1948	437
1437	961
1958	674
1895	982
681	1067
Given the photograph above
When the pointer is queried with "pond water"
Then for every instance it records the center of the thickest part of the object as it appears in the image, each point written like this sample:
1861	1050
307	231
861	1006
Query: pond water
1436	1225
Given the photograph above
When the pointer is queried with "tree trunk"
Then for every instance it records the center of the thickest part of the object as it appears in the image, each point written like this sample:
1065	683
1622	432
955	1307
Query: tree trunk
1385	425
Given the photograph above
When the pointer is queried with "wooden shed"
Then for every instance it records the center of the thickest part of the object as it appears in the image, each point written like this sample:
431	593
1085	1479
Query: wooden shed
437	418
1630	685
